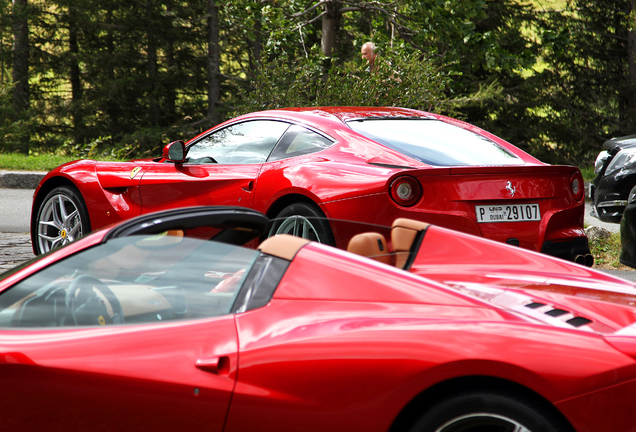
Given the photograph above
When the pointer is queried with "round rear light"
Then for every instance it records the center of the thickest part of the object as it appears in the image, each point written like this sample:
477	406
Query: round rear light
405	191
576	184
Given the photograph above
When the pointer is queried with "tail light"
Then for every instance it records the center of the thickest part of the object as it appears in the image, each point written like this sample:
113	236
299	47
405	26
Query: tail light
405	191
576	185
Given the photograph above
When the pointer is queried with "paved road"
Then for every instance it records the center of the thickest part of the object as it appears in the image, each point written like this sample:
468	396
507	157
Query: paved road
15	210
15	248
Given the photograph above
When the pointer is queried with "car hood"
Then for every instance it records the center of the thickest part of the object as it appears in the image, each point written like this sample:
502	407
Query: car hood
585	305
539	287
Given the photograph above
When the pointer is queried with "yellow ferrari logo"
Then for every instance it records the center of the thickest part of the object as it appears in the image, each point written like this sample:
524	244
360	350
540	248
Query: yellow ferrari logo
63	233
101	320
134	172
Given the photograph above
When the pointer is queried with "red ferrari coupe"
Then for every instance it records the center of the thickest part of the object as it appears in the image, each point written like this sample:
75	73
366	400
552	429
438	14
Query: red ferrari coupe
166	322
367	164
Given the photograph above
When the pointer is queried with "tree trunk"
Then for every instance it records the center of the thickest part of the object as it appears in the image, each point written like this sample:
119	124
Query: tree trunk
255	47
170	86
631	60
154	113
21	62
213	63
330	28
76	84
627	104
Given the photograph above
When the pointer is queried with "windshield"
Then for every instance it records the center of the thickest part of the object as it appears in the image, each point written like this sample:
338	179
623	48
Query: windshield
135	279
434	142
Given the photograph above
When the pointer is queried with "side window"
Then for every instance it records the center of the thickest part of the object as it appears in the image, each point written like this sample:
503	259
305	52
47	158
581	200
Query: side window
131	280
299	141
249	142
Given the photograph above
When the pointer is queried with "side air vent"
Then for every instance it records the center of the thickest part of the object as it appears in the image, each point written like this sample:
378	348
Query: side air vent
578	321
566	317
556	312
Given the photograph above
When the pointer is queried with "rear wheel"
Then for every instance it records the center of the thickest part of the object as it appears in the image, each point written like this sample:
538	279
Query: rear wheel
303	220
62	218
488	412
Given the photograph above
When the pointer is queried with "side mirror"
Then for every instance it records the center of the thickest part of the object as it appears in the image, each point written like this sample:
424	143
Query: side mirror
175	151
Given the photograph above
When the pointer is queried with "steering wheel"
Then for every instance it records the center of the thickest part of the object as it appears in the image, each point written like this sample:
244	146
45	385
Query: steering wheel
88	309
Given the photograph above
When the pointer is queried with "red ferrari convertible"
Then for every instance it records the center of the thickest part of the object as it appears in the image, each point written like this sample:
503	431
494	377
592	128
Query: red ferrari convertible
166	322
367	164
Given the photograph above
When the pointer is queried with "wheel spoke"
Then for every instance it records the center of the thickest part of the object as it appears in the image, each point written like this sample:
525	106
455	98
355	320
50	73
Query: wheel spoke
51	224
74	230
62	209
71	216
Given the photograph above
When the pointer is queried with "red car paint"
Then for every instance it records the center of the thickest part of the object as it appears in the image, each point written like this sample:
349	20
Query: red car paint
345	343
349	180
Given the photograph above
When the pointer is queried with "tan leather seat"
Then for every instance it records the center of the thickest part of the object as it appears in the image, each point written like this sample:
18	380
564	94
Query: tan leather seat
403	235
371	245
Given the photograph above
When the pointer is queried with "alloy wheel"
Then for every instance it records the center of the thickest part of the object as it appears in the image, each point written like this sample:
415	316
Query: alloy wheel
482	422
297	226
59	223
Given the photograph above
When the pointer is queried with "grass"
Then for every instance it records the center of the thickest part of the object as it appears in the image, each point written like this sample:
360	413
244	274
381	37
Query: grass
37	161
20	162
606	252
588	174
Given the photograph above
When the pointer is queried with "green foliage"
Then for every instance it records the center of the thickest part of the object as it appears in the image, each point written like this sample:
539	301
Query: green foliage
399	80
606	252
585	96
112	78
588	173
13	130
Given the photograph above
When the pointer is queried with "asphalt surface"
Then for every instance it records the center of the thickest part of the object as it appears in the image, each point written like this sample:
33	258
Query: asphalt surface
16	194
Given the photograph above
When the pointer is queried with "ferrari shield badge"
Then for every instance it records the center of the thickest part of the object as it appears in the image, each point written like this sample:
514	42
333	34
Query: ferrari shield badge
134	172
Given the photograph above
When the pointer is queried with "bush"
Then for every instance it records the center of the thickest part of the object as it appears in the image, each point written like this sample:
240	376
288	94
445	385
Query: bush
400	80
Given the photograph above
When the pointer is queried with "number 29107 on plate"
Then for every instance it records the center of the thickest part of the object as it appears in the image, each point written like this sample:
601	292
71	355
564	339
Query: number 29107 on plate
508	213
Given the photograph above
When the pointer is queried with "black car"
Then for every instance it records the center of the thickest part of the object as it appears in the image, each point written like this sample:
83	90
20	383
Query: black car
615	170
628	231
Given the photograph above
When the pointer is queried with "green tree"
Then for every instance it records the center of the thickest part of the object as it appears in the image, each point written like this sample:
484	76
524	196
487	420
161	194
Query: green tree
588	90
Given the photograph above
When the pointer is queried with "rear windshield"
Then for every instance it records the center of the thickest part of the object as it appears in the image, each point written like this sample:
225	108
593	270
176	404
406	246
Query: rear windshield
434	142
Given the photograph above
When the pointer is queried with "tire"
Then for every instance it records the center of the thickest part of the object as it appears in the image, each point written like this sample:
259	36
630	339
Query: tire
303	220
61	219
491	412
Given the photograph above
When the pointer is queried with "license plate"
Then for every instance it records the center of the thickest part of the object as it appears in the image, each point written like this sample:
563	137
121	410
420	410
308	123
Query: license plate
508	213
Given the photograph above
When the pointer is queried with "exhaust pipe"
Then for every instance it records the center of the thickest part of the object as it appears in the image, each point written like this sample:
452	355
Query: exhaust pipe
579	259
589	260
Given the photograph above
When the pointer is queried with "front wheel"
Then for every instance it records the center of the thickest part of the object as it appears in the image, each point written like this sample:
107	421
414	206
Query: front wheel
62	218
303	220
483	411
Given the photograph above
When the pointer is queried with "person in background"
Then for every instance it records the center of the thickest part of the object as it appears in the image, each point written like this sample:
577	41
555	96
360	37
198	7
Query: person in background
368	53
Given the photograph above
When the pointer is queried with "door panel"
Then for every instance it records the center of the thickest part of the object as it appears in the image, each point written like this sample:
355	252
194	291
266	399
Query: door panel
170	185
118	378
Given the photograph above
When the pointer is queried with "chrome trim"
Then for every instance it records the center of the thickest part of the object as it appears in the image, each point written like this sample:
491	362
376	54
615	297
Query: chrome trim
616	203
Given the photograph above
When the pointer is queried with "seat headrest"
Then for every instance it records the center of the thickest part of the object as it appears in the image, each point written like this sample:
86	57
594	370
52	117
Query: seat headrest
371	245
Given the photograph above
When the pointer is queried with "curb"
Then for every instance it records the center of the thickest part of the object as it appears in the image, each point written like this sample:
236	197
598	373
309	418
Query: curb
20	179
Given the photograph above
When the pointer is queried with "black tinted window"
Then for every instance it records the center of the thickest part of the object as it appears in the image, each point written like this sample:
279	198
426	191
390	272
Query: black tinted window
299	141
435	142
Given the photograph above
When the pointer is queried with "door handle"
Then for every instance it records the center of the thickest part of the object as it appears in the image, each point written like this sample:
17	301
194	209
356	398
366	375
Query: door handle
218	365
248	186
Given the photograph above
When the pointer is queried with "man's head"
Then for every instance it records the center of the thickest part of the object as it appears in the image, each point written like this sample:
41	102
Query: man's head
368	52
